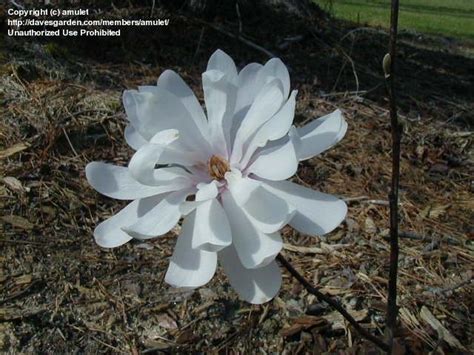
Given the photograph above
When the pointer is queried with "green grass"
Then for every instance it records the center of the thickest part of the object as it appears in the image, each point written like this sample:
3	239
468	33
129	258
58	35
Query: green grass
446	17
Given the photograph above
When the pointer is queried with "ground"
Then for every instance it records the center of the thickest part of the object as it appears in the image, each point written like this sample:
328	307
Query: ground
61	109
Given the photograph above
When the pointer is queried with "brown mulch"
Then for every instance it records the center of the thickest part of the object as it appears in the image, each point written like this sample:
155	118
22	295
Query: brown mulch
60	109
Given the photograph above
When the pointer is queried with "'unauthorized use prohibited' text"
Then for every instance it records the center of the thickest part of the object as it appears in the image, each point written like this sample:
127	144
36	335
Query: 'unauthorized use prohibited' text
70	23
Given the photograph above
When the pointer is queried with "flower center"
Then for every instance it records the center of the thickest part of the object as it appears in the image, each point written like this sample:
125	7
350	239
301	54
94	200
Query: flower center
218	166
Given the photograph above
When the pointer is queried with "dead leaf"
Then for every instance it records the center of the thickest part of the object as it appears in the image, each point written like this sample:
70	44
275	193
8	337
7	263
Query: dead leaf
302	323
420	152
437	211
332	248
291	330
13	150
334	291
304	250
432	211
186	337
443	333
18	221
156	345
14	184
24	279
424	213
369	226
337	321
165	321
325	248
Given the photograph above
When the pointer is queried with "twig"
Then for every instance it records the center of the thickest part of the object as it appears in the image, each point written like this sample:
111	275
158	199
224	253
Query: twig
389	68
334	304
344	93
14	3
237	10
152	8
240	38
362	29
366	199
201	35
246	41
69	141
354	72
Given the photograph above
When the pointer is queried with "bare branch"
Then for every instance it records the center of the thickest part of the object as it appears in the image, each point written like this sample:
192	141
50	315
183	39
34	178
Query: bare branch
389	68
333	303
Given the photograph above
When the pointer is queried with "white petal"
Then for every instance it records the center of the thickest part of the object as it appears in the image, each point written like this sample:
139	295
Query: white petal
165	137
272	69
189	206
211	227
220	95
342	130
142	164
268	212
222	62
117	182
157	110
255	248
256	286
109	234
133	138
248	88
295	139
190	267
207	191
317	213
175	154
275	128
159	150
171	174
160	219
220	92
242	188
321	134
172	82
152	89
266	104
130	105
174	151
275	163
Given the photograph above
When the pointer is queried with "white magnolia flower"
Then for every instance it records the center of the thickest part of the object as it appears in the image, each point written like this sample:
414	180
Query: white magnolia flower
223	171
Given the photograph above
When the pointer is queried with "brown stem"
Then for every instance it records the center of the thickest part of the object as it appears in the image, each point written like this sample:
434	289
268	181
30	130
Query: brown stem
333	303
392	309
